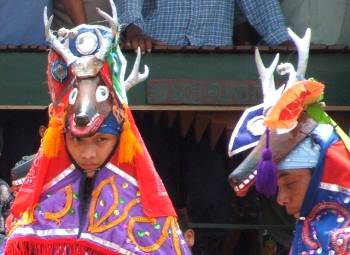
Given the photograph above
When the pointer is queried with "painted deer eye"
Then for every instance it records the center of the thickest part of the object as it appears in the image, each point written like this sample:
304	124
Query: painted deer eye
102	93
73	96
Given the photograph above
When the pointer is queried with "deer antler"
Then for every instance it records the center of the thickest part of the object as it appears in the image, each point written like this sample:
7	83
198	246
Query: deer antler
62	49
135	76
105	44
303	46
113	21
285	68
266	77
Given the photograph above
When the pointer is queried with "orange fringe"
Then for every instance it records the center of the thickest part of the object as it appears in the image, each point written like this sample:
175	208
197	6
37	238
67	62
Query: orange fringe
52	139
129	146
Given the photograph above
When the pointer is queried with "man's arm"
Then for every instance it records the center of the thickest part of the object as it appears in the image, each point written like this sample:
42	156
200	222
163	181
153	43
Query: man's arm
76	11
267	19
131	19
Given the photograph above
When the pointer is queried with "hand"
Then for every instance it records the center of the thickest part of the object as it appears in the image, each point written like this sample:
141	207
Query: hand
135	37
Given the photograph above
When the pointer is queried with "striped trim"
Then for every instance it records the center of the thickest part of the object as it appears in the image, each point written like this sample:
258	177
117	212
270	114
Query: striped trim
334	187
47	232
121	173
18	182
106	243
59	177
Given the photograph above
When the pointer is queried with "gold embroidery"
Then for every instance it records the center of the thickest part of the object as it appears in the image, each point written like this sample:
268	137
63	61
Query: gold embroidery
56	216
97	227
159	242
174	228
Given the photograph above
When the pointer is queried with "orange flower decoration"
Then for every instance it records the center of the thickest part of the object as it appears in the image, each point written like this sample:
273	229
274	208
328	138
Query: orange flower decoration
292	102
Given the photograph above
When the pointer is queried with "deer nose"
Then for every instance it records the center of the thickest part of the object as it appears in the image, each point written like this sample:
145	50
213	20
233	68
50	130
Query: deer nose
82	119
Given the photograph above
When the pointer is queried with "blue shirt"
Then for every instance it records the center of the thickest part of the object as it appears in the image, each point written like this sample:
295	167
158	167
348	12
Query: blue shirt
22	22
202	22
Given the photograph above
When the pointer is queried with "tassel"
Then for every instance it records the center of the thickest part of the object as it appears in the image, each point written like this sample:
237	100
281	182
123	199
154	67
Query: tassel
53	137
129	146
266	180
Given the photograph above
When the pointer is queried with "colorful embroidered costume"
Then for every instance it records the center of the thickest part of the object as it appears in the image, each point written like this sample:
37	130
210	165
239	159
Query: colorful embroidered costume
290	128
124	208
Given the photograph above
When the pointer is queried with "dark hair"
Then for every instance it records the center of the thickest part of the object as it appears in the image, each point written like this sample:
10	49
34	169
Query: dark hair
183	221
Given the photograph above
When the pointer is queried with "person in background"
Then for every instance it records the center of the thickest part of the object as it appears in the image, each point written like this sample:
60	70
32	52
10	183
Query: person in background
188	232
301	154
5	197
149	23
21	22
71	13
328	20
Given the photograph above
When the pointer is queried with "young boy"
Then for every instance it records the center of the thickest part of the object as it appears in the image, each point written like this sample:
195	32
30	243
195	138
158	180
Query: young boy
92	188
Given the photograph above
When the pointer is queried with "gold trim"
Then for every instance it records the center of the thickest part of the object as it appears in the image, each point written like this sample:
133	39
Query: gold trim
159	242
56	216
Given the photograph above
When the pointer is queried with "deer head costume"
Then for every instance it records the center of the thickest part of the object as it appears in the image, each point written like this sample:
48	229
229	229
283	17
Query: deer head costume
124	207
291	131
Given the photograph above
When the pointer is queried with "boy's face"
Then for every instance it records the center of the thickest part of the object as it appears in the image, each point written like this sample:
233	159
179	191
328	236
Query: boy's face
90	152
292	187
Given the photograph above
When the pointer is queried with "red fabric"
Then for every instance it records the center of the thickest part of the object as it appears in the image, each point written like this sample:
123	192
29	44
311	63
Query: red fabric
39	246
337	166
154	198
42	171
106	76
55	87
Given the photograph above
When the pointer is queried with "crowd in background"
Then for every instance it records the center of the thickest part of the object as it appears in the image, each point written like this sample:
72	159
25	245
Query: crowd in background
216	23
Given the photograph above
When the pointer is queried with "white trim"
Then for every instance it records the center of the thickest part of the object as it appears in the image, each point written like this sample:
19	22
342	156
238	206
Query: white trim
120	172
47	232
235	132
106	243
334	187
59	177
18	181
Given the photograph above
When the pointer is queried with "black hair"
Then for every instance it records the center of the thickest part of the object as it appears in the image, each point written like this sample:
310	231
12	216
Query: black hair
182	220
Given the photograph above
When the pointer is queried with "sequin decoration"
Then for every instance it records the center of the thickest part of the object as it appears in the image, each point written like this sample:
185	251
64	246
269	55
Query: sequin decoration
101	224
125	185
102	203
75	196
339	237
170	225
140	233
156	226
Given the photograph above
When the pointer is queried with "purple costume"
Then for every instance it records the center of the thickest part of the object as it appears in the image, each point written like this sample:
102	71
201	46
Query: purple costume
113	222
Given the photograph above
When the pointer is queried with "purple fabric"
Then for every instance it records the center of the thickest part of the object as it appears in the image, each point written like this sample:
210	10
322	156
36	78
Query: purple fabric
115	238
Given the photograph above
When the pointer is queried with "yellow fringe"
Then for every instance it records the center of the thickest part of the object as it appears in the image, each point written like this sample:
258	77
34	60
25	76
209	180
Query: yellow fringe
52	139
129	145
